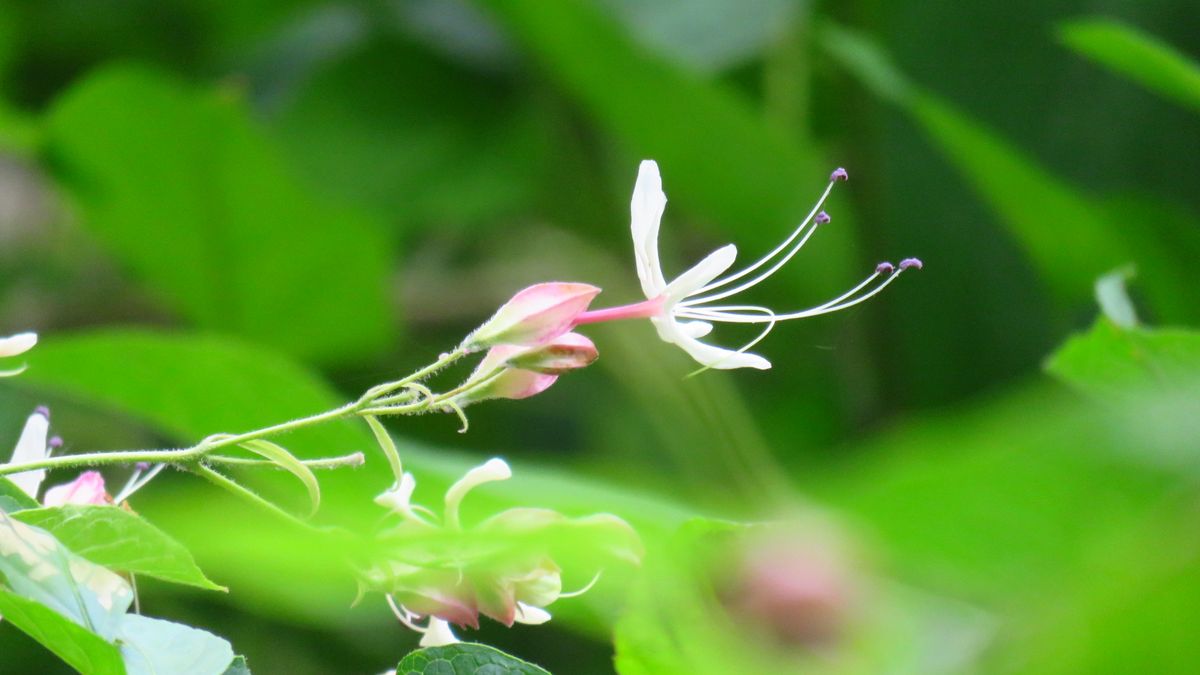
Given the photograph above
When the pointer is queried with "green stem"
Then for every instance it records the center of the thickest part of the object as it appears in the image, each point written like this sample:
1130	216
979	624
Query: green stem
245	493
353	459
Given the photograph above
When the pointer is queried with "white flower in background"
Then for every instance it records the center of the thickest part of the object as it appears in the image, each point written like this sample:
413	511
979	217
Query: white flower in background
15	345
684	310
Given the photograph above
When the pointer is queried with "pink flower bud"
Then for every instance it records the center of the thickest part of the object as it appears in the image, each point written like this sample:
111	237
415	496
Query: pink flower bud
534	316
563	353
88	488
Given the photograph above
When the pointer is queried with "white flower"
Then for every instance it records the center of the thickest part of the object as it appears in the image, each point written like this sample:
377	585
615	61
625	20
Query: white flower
14	345
32	447
682	310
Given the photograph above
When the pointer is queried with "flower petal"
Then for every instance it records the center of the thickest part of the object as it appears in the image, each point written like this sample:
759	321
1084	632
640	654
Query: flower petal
31	447
645	211
87	489
534	316
707	355
438	634
17	344
533	616
695	329
701	273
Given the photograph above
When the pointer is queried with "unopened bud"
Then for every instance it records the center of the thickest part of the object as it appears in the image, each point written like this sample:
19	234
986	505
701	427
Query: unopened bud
566	352
87	489
534	316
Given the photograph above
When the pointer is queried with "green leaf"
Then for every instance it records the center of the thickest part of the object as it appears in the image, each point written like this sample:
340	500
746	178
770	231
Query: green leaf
1136	55
465	658
13	498
727	162
238	667
278	454
1046	215
1114	362
37	567
154	647
117	539
82	649
187	193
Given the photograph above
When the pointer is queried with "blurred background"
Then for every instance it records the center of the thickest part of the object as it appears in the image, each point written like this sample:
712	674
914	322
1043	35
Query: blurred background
221	215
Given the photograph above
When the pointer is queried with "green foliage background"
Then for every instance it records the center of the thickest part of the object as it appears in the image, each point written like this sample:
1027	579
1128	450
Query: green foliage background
221	215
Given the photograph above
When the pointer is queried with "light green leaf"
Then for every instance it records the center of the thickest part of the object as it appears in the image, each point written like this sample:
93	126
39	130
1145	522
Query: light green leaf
1114	362
156	647
37	567
82	649
13	498
1140	57
117	539
278	454
465	658
187	193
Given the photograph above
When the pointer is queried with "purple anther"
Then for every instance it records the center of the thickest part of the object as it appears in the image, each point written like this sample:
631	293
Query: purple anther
885	268
43	411
142	466
55	442
822	218
911	262
839	174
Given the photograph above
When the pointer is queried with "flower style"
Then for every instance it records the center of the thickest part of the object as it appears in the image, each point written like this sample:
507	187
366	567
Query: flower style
500	568
683	310
15	345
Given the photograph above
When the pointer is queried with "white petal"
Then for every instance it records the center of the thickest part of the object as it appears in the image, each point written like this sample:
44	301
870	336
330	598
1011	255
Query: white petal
701	274
533	616
695	329
707	355
399	498
31	447
645	211
17	344
492	470
438	634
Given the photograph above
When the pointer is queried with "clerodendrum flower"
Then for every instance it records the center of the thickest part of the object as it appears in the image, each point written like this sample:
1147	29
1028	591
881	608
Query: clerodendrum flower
685	309
35	444
14	345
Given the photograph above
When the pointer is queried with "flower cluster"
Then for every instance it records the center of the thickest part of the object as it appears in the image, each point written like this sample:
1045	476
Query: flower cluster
502	568
682	310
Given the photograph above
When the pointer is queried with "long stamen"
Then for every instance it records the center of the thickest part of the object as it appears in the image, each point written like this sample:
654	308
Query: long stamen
728	313
838	175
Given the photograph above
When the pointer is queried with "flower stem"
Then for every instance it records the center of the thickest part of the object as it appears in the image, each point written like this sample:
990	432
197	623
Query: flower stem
224	482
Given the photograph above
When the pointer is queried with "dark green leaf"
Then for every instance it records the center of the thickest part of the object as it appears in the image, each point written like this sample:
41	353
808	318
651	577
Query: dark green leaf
117	539
183	189
465	658
82	649
13	498
154	647
1136	55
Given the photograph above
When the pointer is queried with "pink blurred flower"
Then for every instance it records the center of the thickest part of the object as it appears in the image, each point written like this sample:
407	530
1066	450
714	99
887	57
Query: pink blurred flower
88	488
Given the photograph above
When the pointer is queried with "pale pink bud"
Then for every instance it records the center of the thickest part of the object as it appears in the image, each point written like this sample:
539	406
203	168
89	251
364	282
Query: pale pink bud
512	383
88	488
534	316
563	353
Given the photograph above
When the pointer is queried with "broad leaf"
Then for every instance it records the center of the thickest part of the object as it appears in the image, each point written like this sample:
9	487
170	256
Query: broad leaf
1137	56
82	649
13	498
37	567
119	540
154	647
187	193
1115	362
465	658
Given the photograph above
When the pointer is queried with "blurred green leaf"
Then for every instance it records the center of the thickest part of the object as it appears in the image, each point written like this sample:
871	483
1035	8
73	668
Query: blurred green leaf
117	539
82	649
37	567
1136	55
1116	362
153	647
464	658
726	162
13	498
1046	215
183	189
418	140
